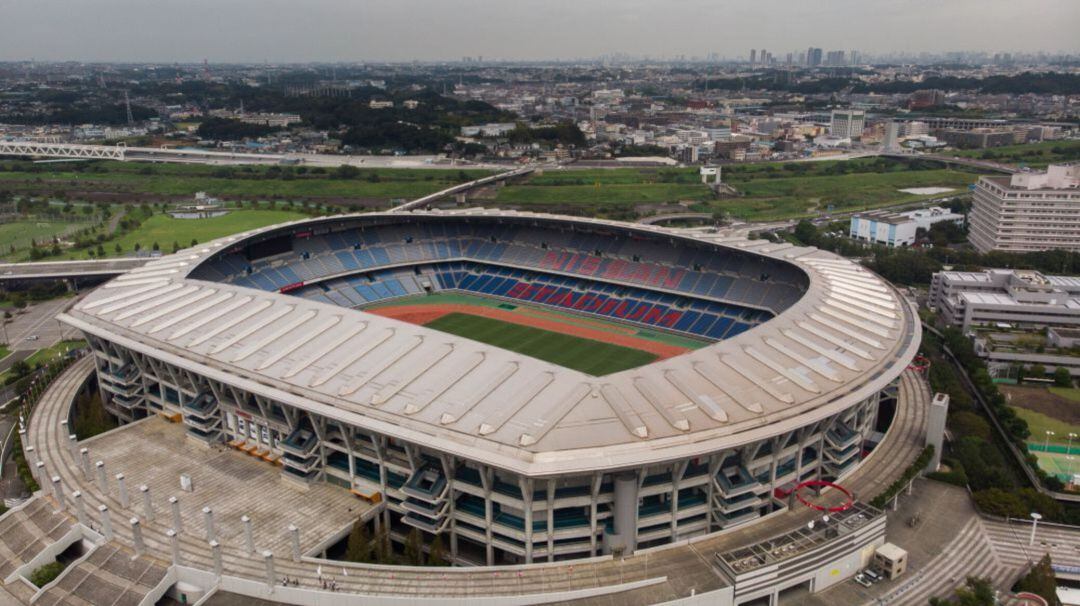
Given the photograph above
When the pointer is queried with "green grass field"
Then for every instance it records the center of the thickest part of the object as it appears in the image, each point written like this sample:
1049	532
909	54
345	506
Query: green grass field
769	191
20	233
4	351
1039	424
1059	464
1069	393
165	230
585	355
1034	154
47	354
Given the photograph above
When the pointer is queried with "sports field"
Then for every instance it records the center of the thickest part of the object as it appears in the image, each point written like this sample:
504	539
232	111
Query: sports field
588	356
590	345
1051	415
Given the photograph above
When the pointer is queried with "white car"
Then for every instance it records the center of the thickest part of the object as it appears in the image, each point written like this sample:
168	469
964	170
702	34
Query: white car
32	338
861	580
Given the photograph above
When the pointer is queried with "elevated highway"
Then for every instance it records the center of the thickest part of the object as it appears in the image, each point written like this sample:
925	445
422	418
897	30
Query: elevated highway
463	188
68	270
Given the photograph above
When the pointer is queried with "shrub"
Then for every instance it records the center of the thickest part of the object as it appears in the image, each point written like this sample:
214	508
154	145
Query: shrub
46	574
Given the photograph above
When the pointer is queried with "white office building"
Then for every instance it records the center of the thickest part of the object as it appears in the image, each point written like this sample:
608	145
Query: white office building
1028	211
898	229
1006	297
847	123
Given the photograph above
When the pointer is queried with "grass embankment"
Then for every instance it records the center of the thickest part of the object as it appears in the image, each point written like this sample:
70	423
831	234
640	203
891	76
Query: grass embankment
165	230
248	183
768	191
1034	154
585	355
21	234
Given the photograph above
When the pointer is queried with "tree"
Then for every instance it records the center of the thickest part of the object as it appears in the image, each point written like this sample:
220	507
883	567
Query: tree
194	242
414	548
156	247
1062	378
119	249
1040	581
966	423
359	547
436	553
384	554
1037	371
346	172
976	592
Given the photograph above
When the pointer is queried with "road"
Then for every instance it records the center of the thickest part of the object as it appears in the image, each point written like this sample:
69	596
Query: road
40	320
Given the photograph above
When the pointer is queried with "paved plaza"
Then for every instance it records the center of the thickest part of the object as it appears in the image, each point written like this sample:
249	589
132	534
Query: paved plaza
155	452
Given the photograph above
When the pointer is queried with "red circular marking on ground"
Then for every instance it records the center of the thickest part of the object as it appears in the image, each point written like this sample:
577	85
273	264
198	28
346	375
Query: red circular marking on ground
848	501
423	314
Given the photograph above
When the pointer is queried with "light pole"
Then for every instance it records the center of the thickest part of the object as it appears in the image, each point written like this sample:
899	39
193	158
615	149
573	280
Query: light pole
1072	436
1046	444
1035	517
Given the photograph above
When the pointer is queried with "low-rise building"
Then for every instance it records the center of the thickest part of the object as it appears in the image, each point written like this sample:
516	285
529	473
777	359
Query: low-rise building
898	229
1006	298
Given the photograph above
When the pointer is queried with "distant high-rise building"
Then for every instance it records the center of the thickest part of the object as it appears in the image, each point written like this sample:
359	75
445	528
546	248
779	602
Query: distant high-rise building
892	136
813	57
753	56
854	57
764	57
788	62
847	123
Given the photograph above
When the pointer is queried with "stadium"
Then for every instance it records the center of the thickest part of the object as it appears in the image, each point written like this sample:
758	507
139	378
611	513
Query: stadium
535	388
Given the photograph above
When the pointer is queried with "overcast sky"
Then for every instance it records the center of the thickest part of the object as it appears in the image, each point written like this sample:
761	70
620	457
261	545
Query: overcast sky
359	30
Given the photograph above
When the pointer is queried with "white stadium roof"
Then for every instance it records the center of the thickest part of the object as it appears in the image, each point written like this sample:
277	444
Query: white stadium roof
846	338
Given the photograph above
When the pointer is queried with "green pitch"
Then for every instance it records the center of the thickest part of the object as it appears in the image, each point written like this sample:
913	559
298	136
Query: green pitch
585	355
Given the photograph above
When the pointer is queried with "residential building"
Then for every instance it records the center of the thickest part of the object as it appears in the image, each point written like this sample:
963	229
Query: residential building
1028	211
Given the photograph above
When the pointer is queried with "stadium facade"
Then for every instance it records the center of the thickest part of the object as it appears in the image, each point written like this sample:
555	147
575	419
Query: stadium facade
259	341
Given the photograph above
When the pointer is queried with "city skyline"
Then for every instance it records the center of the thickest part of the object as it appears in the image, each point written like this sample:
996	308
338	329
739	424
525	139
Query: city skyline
335	31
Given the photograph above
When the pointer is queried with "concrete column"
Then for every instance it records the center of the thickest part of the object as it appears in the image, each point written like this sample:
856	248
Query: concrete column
73	444
294	534
102	480
249	538
268	558
174	544
136	536
31	454
148	506
177	522
626	510
58	492
106	522
215	551
80	508
84	458
121	488
40	476
208	518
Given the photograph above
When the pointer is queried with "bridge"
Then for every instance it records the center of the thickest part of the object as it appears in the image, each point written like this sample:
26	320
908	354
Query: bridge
669	217
122	153
69	270
462	188
957	160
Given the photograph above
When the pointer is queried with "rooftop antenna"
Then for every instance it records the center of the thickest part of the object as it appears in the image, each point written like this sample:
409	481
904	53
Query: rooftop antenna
127	106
